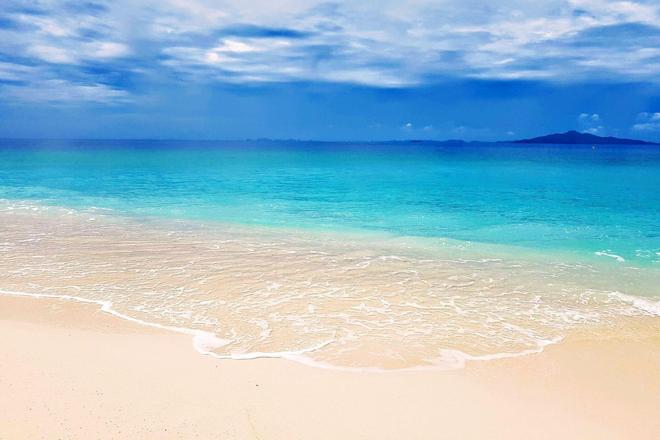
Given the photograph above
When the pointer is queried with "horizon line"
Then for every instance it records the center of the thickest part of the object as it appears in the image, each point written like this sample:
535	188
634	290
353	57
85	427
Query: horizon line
268	139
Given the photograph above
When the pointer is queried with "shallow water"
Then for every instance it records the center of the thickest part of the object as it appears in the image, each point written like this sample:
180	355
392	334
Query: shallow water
326	299
349	256
601	202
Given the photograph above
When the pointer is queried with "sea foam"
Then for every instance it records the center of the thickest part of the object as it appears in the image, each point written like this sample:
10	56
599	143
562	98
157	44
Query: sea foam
324	300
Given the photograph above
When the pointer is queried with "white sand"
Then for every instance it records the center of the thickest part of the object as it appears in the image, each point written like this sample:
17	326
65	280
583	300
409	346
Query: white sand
71	371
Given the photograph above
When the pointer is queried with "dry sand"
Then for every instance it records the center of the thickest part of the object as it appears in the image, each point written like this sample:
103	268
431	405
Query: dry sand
72	371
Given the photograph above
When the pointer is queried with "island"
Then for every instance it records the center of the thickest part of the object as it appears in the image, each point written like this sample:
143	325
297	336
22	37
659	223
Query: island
577	138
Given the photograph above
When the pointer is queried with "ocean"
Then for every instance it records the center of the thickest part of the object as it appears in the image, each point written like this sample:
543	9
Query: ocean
370	256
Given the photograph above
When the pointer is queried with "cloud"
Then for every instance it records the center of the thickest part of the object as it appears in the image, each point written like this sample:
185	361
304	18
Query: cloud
378	44
52	54
35	83
14	73
647	122
590	123
81	53
586	117
62	91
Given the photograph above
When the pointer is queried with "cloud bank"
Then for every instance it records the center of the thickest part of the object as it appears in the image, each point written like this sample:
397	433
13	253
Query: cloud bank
110	51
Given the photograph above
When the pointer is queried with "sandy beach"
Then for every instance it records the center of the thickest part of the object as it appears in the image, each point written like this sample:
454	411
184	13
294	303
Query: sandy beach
330	220
72	371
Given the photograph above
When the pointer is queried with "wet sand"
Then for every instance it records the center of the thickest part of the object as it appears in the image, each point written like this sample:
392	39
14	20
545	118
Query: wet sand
345	300
72	371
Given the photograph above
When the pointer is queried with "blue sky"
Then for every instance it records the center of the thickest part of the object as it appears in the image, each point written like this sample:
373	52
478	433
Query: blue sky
329	70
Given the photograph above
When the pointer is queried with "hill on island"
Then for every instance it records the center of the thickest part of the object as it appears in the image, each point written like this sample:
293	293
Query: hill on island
576	138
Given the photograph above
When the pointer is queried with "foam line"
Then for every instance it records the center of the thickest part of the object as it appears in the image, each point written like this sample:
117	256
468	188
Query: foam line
204	342
644	304
618	258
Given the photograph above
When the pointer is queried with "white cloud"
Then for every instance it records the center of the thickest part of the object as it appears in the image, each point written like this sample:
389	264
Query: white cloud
386	43
106	49
62	91
52	54
83	52
648	122
586	117
15	72
391	43
591	123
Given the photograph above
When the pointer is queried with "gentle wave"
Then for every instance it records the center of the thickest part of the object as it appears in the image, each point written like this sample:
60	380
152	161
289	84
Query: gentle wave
609	254
205	343
646	305
331	301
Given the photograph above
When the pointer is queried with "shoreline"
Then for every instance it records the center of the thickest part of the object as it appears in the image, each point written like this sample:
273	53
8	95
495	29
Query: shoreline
428	246
204	342
254	296
115	378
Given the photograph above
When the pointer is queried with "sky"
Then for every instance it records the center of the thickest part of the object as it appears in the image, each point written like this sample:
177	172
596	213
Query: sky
342	70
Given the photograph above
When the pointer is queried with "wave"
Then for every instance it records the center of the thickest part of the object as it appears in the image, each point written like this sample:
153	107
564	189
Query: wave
329	301
646	305
609	254
206	342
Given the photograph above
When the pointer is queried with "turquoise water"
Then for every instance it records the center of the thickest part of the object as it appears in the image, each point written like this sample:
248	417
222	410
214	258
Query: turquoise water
360	256
595	203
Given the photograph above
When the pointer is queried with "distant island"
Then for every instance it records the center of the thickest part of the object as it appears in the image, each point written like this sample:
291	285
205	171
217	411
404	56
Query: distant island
577	138
571	137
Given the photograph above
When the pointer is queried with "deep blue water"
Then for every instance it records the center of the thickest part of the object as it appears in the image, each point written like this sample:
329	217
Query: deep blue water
544	197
